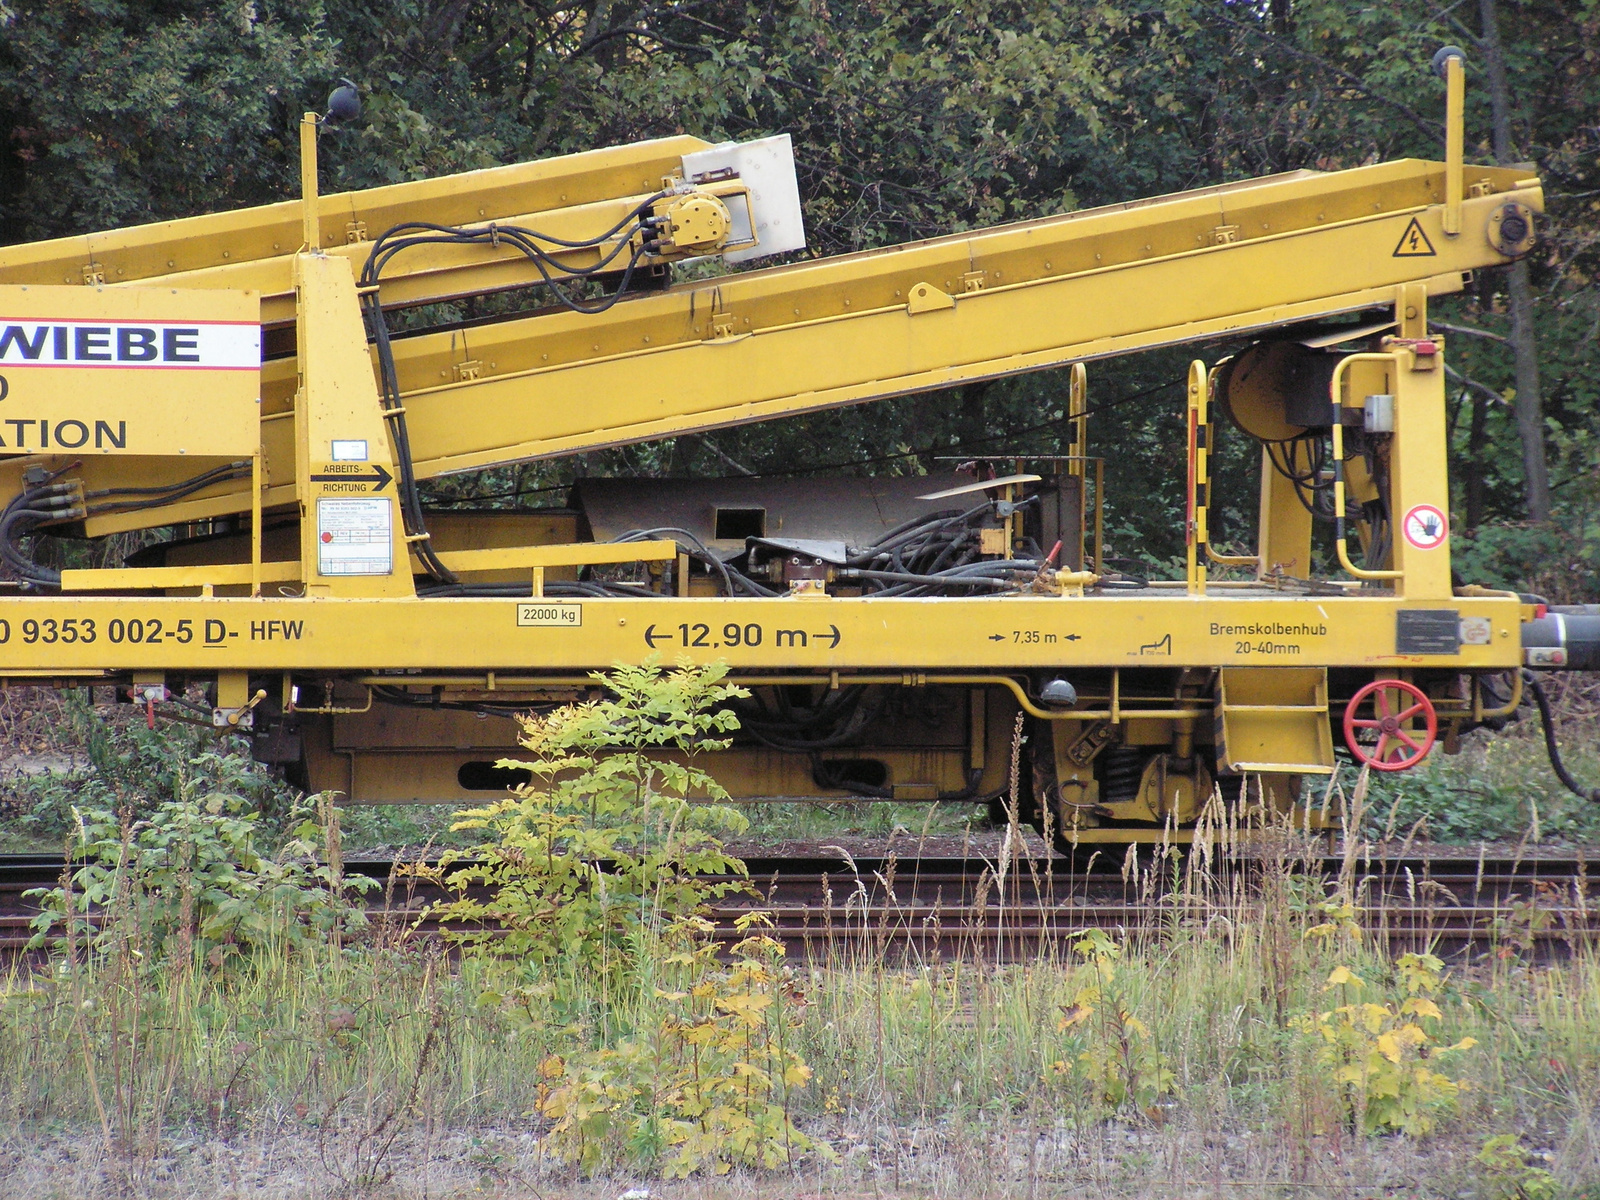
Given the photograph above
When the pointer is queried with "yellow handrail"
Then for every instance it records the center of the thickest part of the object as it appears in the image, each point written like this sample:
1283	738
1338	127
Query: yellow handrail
1334	385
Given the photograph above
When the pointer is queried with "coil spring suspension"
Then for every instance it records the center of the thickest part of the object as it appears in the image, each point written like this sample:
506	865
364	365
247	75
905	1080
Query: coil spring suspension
1120	771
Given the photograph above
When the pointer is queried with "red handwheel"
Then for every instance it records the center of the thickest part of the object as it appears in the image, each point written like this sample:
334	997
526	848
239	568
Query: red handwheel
1394	702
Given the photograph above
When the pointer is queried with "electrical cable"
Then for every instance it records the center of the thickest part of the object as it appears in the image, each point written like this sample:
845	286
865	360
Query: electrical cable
48	500
1548	720
411	234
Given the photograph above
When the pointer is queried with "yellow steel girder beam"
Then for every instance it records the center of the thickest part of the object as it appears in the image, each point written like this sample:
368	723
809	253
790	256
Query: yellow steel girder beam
253	248
69	636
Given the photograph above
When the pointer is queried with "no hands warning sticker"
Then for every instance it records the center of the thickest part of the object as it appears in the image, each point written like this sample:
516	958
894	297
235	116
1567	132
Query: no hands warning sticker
1425	527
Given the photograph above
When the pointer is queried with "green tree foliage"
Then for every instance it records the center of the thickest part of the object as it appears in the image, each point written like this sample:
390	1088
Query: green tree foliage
586	861
190	878
909	120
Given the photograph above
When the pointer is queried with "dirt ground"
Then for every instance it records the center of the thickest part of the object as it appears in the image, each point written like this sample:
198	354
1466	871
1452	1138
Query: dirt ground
1007	1161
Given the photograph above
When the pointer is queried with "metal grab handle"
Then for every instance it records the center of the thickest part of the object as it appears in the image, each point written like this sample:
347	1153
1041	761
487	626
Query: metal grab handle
1338	466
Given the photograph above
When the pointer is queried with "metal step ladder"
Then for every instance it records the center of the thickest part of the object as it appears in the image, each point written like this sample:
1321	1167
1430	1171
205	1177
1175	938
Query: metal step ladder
1274	720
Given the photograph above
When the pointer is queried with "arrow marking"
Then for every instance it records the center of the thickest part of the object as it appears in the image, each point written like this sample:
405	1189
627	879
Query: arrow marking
379	480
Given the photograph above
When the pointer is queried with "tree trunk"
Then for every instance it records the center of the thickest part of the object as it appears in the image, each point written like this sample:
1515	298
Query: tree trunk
974	426
1476	437
1524	345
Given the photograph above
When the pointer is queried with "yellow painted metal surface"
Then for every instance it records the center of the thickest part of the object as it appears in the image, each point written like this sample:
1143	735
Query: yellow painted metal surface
911	634
253	248
574	554
1179	665
839	331
351	534
91	371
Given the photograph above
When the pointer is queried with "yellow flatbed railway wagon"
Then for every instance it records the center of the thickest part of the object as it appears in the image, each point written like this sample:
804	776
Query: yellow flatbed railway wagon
234	376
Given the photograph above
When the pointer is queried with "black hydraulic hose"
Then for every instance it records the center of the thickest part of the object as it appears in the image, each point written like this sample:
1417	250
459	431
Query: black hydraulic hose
385	248
909	531
1545	717
734	580
35	506
927	580
176	492
215	475
411	515
13	526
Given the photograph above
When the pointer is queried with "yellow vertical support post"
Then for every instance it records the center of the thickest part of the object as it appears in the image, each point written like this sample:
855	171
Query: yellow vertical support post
311	226
1420	475
1195	530
1078	460
351	540
255	523
1454	139
1283	525
1078	420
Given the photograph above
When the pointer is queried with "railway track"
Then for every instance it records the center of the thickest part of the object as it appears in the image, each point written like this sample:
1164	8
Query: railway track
922	909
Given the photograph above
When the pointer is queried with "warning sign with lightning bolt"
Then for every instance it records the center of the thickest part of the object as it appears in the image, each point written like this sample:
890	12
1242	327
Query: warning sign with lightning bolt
1414	243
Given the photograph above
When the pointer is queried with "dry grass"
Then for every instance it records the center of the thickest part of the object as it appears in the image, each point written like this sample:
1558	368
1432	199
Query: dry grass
376	1065
373	1068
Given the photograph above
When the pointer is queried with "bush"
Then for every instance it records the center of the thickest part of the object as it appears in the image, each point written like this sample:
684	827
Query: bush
135	769
588	860
189	877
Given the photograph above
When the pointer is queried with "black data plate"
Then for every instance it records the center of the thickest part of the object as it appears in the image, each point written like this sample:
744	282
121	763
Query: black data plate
1427	631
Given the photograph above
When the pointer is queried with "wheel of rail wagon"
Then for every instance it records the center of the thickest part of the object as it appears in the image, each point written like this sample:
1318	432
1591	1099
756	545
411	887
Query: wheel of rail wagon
1380	741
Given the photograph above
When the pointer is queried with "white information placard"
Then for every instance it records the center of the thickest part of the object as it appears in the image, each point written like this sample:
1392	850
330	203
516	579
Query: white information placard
355	537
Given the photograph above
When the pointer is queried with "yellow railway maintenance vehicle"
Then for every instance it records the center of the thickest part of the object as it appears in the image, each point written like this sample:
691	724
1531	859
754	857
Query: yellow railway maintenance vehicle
234	377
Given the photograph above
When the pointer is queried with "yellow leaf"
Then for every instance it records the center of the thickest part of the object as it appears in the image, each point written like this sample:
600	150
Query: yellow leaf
1389	1046
1075	1015
1421	1006
1342	976
797	1075
701	1035
747	1008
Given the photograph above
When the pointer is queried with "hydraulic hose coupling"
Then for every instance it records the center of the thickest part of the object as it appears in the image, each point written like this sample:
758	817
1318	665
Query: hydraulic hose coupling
1072	583
1563	638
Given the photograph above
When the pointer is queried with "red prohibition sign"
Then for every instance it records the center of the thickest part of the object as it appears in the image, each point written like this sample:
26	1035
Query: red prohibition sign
1425	527
1396	750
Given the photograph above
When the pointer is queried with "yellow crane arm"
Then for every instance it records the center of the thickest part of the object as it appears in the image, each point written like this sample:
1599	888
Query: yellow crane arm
794	339
252	249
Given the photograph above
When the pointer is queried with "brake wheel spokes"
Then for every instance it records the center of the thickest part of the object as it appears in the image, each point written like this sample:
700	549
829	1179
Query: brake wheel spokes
1396	749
